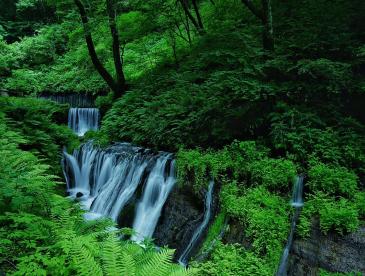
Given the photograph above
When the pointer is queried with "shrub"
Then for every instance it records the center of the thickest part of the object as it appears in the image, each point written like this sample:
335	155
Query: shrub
232	259
275	174
264	217
332	180
340	216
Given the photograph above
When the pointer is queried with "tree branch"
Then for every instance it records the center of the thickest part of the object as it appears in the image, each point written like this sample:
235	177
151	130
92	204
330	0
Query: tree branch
197	13
185	6
258	13
91	48
118	64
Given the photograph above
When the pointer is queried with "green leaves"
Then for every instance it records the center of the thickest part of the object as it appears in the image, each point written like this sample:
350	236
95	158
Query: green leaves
332	180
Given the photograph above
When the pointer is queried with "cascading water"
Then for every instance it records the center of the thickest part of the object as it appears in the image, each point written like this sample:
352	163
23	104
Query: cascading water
156	191
297	203
81	120
183	259
73	99
104	181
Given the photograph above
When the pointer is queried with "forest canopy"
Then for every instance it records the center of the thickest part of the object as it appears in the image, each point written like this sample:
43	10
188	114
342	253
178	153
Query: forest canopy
252	94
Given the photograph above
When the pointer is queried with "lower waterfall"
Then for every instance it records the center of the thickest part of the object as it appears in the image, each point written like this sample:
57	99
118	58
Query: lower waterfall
104	181
297	203
184	258
156	191
81	120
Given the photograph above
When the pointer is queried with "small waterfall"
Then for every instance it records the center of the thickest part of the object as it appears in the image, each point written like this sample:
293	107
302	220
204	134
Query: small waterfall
297	203
73	99
81	120
156	191
104	181
184	258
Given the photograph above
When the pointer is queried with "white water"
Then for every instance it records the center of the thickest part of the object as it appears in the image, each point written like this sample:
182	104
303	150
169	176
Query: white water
105	181
183	259
156	191
73	99
81	120
297	203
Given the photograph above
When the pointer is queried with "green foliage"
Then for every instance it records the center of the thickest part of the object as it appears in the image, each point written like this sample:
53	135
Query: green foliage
263	216
245	161
274	174
231	259
340	215
332	180
36	120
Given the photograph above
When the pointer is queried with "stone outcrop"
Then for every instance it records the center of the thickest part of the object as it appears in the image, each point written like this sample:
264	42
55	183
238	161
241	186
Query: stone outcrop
182	213
331	252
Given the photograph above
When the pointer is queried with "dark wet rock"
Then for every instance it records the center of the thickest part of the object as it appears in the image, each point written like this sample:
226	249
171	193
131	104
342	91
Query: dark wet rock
331	252
181	215
79	194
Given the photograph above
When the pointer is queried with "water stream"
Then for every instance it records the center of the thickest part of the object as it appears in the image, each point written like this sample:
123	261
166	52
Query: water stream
104	181
81	120
199	231
297	204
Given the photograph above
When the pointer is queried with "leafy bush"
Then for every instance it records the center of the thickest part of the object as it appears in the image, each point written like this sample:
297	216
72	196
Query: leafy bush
264	217
341	216
36	120
275	174
232	259
332	180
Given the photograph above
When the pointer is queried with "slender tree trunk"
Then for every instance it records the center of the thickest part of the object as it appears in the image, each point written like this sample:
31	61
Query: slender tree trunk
185	6
265	15
268	32
118	63
91	48
197	13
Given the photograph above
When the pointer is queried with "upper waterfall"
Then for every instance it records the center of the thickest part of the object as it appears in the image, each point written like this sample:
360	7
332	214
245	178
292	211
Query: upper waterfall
104	181
73	99
81	120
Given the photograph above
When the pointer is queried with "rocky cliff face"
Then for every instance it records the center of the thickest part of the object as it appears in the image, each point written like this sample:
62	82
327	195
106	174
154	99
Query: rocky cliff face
330	252
181	215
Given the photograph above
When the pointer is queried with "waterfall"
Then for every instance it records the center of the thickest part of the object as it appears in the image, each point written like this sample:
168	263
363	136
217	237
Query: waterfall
81	120
73	99
183	259
297	203
156	191
104	181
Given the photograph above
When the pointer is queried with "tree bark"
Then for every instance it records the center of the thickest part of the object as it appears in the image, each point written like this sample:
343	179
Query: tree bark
185	6
265	16
197	13
91	48
118	86
268	33
118	62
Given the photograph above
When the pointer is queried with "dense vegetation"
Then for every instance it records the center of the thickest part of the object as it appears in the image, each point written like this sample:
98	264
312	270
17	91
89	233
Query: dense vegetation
206	80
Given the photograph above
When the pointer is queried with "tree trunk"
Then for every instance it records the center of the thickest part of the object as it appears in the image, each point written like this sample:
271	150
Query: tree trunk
197	13
265	15
118	63
91	48
185	6
268	32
